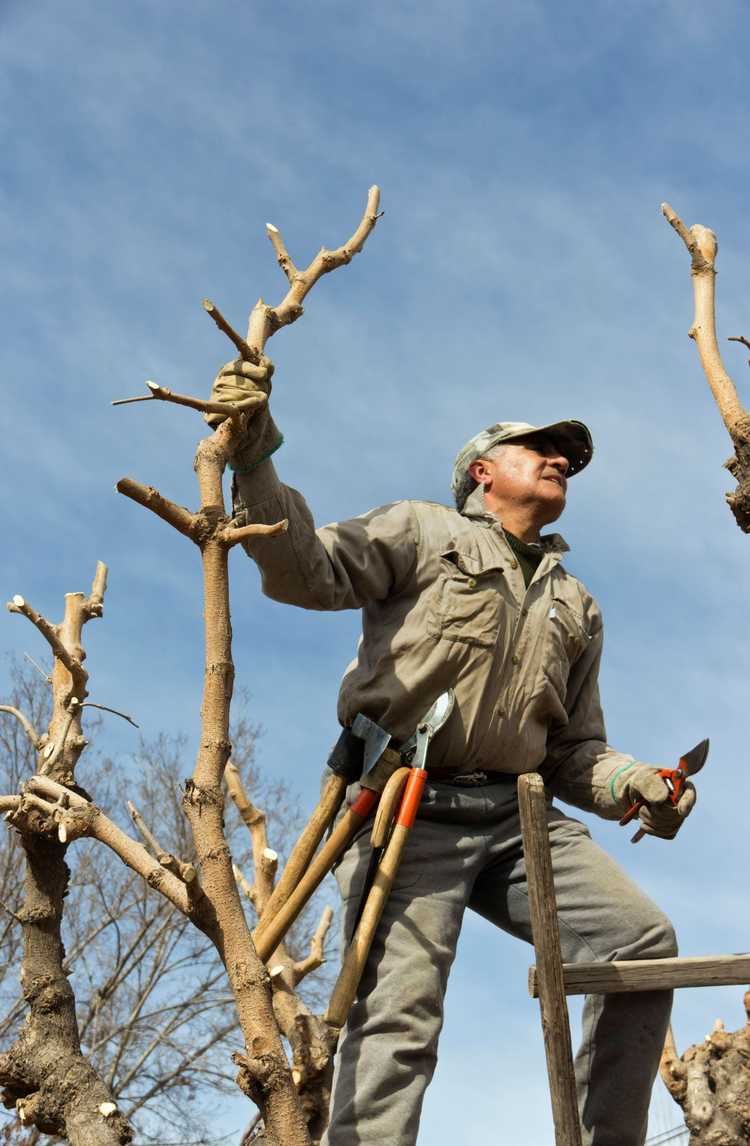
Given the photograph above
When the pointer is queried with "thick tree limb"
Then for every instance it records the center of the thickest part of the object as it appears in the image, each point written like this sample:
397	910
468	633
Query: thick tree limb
85	819
702	246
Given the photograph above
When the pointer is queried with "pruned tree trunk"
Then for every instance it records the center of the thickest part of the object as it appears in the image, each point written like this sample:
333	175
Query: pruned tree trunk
703	247
44	1074
711	1082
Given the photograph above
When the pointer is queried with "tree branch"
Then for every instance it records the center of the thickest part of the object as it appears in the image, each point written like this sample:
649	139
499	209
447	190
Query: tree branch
702	246
266	320
25	723
233	536
316	956
230	409
247	352
95	603
94	823
182	519
51	636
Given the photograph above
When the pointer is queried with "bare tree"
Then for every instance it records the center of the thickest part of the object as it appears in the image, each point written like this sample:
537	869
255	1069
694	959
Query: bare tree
45	1074
154	1014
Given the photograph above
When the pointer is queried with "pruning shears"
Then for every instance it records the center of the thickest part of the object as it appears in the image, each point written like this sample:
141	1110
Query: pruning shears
675	779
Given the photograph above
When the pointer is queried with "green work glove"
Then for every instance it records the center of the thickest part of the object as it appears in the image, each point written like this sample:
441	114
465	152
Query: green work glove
658	816
235	382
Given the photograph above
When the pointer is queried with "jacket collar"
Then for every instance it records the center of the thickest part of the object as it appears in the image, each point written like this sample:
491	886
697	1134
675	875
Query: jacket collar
475	509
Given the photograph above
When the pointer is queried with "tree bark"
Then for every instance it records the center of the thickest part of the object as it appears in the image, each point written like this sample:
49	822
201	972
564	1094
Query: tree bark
711	1082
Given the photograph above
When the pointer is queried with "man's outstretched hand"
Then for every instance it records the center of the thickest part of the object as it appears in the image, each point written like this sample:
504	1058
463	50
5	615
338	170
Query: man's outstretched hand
234	383
658	816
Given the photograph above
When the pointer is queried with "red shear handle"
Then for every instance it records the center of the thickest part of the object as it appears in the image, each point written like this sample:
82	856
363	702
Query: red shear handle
674	778
411	797
365	802
632	812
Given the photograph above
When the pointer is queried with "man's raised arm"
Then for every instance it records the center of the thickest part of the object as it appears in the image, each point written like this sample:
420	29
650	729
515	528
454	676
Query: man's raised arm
339	566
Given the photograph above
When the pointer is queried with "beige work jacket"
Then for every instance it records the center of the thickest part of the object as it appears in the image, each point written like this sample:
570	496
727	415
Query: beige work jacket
444	605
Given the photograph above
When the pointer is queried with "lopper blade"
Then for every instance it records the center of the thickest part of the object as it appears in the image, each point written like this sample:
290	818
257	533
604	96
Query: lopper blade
694	760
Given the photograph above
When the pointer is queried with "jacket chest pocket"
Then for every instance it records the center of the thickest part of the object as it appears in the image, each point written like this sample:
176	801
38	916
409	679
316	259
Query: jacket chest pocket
566	639
467	601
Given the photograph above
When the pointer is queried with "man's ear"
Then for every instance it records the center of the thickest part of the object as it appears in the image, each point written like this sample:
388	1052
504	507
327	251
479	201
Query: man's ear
479	471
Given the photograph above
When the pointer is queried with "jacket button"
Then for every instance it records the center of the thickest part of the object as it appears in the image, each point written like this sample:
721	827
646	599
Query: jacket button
472	582
514	564
515	659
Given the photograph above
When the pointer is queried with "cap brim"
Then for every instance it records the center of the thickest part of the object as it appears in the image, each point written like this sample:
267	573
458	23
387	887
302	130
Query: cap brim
572	438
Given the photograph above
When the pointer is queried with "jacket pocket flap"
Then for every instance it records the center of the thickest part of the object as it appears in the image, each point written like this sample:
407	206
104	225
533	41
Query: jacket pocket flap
473	564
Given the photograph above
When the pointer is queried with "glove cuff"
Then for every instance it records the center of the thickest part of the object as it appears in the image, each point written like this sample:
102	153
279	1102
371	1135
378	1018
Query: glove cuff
246	467
617	784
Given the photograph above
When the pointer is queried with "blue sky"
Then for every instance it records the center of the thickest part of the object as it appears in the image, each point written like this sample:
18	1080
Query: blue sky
521	271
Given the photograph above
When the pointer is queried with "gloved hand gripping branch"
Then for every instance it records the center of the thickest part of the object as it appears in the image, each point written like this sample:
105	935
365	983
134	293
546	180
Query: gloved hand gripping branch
262	437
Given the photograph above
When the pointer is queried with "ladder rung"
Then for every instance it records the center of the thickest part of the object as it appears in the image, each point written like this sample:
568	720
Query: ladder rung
650	974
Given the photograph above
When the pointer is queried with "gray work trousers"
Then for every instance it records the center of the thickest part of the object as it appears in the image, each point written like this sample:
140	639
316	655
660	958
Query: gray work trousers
465	850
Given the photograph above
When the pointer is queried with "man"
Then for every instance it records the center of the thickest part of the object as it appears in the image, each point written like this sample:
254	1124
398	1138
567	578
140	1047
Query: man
476	599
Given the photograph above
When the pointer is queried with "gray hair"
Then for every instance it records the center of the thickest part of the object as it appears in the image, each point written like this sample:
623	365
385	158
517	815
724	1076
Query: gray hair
465	485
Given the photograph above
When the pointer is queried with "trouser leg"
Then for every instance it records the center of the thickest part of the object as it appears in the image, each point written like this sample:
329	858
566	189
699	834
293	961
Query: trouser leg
603	916
388	1048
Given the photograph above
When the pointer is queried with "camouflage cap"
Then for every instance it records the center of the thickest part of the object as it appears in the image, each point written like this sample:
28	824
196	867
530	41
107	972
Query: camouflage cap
572	438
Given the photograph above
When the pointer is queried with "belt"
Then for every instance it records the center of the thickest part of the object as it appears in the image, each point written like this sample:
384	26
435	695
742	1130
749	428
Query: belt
472	779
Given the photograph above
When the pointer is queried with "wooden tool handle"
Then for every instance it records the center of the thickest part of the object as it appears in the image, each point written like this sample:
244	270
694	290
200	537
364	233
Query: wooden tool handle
304	849
267	938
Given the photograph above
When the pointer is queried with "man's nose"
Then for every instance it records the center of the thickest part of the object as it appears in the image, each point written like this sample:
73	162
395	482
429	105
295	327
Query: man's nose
560	462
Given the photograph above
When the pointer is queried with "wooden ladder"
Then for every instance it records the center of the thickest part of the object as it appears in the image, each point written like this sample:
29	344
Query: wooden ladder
551	979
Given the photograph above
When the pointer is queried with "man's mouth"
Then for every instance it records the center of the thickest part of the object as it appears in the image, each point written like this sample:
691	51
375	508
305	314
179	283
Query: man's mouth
557	478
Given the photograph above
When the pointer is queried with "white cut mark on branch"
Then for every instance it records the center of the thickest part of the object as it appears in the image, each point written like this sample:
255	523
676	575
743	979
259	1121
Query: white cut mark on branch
282	254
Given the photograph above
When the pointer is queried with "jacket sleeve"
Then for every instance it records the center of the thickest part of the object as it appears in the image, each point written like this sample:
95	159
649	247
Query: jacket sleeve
339	566
580	767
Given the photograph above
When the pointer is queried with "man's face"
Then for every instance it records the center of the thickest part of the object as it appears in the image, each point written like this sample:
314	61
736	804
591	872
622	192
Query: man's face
527	471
